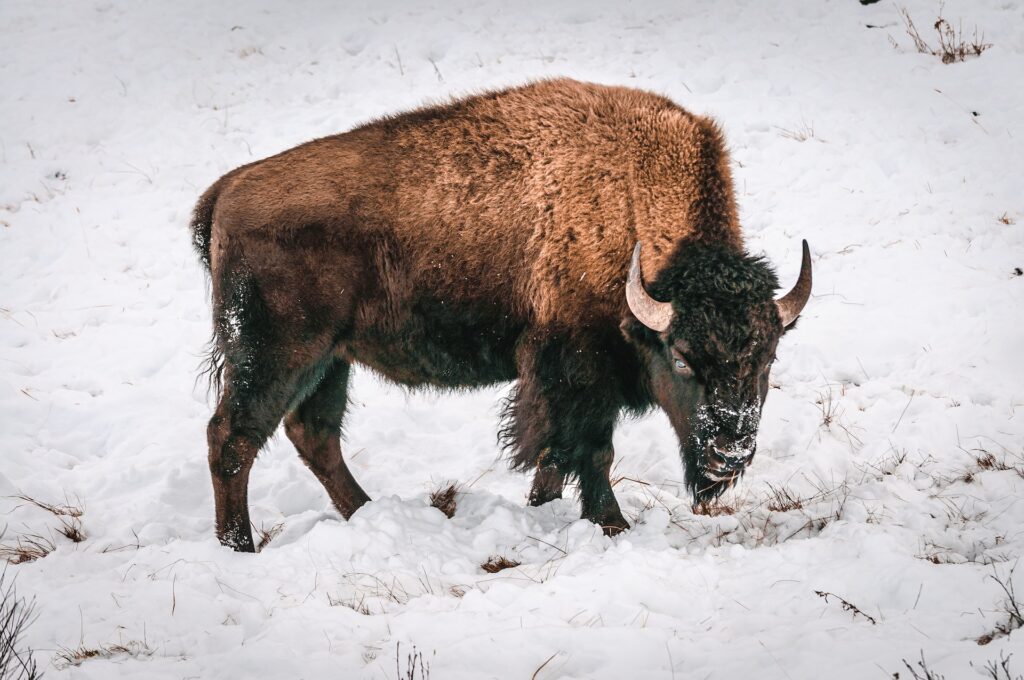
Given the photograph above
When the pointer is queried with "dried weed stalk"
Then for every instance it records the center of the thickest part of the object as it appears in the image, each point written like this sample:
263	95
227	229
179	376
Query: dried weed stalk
925	673
847	605
267	535
134	649
953	45
1011	606
413	662
16	615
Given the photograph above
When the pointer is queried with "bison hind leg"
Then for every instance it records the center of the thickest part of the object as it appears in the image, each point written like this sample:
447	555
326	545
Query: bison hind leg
314	427
265	370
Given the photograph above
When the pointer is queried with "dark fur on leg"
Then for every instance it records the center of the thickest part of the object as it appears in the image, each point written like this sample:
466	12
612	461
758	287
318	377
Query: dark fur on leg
560	420
314	427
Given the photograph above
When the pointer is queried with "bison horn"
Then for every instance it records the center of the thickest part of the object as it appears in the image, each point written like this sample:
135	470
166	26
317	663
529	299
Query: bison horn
792	303
651	313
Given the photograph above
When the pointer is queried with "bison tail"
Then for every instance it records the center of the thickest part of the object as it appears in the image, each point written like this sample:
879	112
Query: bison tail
212	367
202	222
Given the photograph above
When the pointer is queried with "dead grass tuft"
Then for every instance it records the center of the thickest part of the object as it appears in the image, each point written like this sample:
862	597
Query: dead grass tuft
800	133
65	509
134	649
28	549
1011	606
781	499
498	563
34	546
71	528
715	508
443	499
355	605
267	535
988	461
953	45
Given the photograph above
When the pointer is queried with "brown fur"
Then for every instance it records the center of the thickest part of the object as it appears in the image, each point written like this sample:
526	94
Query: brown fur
537	194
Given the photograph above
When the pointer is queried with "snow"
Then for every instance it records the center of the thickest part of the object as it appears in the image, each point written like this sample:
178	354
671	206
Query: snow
896	167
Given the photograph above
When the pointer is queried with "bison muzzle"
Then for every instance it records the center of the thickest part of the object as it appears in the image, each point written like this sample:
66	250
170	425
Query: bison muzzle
491	239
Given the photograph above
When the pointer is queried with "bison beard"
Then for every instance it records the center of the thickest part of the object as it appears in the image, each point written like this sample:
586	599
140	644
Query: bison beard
484	241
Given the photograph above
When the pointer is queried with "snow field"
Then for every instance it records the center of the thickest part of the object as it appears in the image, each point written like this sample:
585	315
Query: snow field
890	466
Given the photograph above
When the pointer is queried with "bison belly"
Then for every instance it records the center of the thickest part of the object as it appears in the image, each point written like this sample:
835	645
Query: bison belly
438	344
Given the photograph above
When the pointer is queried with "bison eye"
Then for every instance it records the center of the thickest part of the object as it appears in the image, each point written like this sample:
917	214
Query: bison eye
679	363
681	368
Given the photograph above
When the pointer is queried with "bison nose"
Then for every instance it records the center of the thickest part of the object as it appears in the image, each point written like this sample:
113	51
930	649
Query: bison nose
726	457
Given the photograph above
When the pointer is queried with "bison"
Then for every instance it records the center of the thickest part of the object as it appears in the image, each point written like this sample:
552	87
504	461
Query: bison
490	239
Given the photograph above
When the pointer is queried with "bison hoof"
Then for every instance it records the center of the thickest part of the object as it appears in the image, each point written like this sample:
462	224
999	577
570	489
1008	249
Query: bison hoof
615	527
547	486
538	499
612	523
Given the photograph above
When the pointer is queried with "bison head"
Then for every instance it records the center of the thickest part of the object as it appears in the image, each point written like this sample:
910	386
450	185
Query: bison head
708	350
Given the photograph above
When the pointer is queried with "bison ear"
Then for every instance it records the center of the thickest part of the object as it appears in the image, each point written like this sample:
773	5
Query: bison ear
639	334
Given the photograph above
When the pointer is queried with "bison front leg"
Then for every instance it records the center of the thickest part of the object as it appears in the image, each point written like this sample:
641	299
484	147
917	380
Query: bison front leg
596	495
561	422
548	482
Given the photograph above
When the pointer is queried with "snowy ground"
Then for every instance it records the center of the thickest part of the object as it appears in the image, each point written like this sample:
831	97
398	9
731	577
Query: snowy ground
903	173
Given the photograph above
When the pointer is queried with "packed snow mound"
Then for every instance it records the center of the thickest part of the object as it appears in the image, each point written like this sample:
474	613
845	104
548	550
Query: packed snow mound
889	473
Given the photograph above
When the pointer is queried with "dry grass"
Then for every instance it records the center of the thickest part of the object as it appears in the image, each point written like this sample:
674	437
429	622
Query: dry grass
847	606
781	499
444	497
65	509
16	614
361	589
71	528
499	563
1000	670
715	507
134	649
1011	607
28	549
31	547
355	605
267	535
800	133
988	461
413	662
765	519
832	414
953	45
925	673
